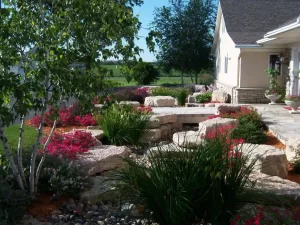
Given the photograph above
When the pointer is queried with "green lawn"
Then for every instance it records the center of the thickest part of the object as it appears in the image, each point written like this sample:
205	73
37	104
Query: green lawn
162	80
12	134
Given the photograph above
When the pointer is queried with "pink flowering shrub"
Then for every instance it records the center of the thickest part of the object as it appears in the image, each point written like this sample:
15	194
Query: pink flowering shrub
145	109
87	120
143	91
66	117
70	145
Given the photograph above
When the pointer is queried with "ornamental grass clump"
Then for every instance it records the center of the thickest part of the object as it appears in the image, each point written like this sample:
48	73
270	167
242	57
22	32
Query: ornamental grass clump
183	186
125	124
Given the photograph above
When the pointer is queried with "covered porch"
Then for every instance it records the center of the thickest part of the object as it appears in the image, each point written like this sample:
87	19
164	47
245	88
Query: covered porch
287	37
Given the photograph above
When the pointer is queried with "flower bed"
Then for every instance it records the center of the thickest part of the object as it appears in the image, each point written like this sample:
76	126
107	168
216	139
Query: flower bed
69	145
65	117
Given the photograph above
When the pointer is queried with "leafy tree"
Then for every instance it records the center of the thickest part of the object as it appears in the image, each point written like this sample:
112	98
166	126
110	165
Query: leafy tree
46	39
185	35
144	73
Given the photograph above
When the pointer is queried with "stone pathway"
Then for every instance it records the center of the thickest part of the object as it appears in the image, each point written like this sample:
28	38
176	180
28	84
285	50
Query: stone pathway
282	124
185	110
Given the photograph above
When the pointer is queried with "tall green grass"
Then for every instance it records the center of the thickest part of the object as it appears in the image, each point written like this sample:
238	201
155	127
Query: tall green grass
179	93
183	186
124	124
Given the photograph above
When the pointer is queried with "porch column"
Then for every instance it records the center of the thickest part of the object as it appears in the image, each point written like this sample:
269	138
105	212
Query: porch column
294	77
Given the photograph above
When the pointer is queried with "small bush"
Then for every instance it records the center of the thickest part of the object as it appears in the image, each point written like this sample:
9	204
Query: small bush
13	204
296	166
203	98
144	73
162	91
245	116
181	95
181	186
124	124
70	145
250	133
64	179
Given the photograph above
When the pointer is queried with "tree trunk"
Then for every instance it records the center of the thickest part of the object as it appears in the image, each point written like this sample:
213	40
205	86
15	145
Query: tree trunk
192	78
39	169
182	82
20	152
38	140
196	78
9	156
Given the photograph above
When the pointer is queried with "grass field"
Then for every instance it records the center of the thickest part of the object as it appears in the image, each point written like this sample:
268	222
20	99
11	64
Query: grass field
12	134
162	80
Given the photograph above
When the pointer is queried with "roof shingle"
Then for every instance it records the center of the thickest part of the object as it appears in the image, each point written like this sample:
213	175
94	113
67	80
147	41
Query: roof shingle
248	20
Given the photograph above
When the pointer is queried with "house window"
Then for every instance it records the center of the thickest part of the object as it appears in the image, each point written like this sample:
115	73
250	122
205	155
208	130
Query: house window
226	64
274	62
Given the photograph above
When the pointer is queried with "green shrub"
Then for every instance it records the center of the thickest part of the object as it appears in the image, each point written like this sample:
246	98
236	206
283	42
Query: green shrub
181	94
203	98
162	91
124	124
63	178
144	73
182	186
13	204
296	166
250	133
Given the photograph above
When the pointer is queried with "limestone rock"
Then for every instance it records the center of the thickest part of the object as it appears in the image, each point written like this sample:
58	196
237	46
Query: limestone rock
187	139
277	185
133	103
292	147
101	190
220	96
166	118
209	105
103	158
269	160
166	130
228	109
165	148
160	101
151	135
208	126
153	123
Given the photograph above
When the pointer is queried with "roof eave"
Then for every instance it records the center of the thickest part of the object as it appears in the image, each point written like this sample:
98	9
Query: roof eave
283	29
217	28
248	46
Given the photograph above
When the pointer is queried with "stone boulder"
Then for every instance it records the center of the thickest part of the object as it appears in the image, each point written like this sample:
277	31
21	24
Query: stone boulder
133	103
208	126
166	118
209	105
187	139
153	123
102	190
292	147
228	109
220	96
103	158
276	185
269	160
159	101
172	147
151	135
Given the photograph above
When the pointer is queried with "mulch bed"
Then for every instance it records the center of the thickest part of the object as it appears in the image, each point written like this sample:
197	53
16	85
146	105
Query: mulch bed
44	206
273	141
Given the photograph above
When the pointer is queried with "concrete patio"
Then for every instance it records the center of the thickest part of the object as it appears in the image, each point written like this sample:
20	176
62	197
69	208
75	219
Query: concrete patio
280	122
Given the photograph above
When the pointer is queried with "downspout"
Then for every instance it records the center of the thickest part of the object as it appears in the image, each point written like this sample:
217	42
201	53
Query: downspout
238	78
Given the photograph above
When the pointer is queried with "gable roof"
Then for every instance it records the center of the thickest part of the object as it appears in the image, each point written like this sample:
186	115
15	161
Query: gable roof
248	20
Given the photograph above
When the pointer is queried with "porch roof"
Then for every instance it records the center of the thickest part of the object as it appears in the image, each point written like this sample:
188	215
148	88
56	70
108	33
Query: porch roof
286	34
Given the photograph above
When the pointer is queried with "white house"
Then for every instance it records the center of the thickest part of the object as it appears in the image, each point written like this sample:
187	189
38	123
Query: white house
250	37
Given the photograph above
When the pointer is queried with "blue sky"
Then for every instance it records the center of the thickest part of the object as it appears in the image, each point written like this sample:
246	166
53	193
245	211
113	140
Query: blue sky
145	13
